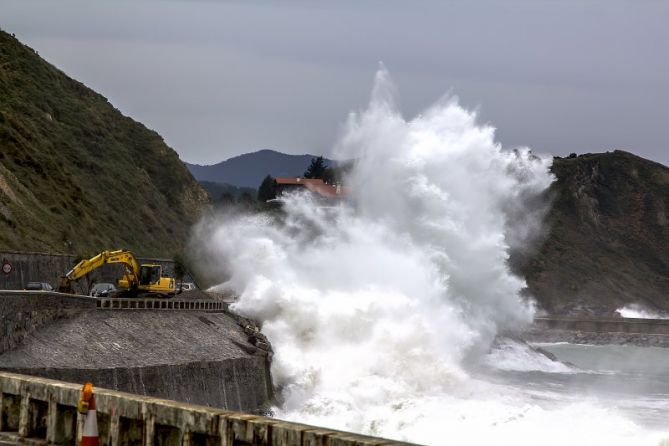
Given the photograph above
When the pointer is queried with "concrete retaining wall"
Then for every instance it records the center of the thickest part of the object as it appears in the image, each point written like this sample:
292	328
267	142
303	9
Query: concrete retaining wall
42	409
23	313
45	267
604	325
33	267
241	384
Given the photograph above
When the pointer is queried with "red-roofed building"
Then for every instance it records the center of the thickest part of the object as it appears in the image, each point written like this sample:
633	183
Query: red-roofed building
315	186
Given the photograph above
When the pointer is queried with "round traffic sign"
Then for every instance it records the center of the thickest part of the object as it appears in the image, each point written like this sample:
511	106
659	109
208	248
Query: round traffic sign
6	267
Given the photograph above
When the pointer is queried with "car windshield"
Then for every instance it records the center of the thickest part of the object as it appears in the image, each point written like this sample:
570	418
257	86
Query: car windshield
103	286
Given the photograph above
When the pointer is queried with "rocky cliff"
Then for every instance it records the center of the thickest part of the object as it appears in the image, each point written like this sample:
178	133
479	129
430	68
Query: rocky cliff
607	240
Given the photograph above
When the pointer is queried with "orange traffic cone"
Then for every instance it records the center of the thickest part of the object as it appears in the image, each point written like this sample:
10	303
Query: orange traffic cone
89	435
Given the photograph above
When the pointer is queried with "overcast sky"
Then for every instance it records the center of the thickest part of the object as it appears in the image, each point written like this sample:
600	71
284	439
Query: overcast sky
221	78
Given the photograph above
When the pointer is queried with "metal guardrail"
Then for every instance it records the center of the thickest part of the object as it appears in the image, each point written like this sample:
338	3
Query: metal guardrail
116	303
160	304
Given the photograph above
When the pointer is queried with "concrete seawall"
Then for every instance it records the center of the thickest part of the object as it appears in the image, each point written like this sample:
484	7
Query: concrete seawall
44	411
604	325
234	384
201	356
599	330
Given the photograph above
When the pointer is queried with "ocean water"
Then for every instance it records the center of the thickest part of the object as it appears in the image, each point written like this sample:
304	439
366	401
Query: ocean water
626	383
384	310
631	379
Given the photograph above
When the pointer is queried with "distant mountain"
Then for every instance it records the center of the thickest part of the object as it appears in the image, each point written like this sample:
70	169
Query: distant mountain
608	236
248	170
76	175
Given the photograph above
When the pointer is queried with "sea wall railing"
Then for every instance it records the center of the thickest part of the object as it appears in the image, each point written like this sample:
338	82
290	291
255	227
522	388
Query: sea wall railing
133	303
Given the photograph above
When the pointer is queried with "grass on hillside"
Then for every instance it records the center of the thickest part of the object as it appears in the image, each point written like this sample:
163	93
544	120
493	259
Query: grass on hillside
77	174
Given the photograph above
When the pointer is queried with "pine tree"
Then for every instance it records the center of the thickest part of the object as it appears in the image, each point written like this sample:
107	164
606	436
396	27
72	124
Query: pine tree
316	169
267	189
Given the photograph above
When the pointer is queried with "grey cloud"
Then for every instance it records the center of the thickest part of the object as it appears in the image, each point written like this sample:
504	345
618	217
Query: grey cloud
218	78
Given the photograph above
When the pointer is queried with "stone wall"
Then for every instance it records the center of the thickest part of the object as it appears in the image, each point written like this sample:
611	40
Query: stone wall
45	267
599	331
604	325
23	313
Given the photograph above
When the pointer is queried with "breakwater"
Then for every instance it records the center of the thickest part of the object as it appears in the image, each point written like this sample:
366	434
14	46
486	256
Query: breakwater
599	330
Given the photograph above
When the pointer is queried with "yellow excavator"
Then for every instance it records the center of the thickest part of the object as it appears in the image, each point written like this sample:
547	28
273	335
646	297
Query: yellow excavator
137	279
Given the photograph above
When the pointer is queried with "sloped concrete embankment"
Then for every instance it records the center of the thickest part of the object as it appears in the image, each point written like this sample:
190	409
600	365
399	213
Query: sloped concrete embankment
192	356
22	313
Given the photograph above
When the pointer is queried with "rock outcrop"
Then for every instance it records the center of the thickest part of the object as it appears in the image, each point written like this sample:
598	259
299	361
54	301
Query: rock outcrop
607	237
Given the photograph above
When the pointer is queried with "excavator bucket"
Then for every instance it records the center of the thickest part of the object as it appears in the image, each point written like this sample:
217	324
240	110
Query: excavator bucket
65	285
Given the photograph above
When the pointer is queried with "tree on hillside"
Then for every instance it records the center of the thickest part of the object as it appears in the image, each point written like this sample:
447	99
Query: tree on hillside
225	200
316	169
267	189
246	201
330	176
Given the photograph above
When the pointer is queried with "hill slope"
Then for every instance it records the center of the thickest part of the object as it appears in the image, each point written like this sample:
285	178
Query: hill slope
248	170
78	176
608	239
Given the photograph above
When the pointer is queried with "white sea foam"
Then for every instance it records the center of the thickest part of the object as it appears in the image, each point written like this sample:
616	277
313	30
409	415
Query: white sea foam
637	311
512	355
375	307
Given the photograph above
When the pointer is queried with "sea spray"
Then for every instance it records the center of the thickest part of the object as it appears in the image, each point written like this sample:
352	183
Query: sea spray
636	311
376	305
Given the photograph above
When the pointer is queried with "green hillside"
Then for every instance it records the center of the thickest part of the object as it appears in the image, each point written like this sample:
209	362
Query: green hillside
608	236
78	176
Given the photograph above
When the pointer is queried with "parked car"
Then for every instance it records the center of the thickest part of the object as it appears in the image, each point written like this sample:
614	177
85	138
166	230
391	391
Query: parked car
38	286
188	286
102	289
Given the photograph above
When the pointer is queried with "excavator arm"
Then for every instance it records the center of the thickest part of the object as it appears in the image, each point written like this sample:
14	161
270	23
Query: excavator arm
127	258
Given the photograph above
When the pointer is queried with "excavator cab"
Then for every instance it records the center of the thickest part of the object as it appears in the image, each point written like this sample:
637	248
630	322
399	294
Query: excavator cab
149	275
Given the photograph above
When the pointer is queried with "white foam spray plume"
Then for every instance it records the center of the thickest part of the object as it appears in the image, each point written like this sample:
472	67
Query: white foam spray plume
637	311
375	307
